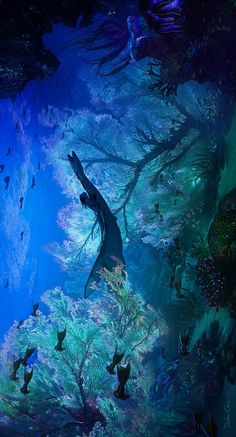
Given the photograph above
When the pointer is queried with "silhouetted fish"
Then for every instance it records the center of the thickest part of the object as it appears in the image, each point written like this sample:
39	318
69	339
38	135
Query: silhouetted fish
16	365
22	235
7	283
33	183
184	339
197	422
20	323
2	168
21	202
211	430
123	374
9	151
60	336
7	181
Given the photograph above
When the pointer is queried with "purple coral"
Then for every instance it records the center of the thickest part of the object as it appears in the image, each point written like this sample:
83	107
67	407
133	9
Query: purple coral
211	282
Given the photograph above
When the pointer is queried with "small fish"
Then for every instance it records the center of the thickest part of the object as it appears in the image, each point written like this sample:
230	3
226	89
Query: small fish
33	183
197	422
16	365
123	374
176	241
211	430
2	168
184	340
178	287
9	151
35	308
22	235
157	207
163	351
7	283
21	202
38	166
60	336
117	358
28	354
17	128
7	182
20	323
27	379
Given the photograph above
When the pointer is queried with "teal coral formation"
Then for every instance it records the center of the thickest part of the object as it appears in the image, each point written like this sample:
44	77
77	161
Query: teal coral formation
72	389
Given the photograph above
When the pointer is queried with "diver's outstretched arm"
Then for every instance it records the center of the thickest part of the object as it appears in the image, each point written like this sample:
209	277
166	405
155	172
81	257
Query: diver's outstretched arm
87	184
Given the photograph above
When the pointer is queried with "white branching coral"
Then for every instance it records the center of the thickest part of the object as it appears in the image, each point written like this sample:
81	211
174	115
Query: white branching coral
73	387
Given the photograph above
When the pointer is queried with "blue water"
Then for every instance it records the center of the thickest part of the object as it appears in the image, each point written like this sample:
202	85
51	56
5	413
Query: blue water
28	267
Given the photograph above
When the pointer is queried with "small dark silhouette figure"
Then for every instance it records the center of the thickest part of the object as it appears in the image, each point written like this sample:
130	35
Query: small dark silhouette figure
178	286
60	337
21	236
184	340
21	202
63	135
9	151
16	365
163	351
161	177
28	354
117	358
38	166
197	422
17	128
35	309
33	183
211	430
27	379
2	168
157	207
123	374
7	182
176	241
7	283
161	217
20	323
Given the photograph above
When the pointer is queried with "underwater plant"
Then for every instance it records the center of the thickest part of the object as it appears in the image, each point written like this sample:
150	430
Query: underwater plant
70	387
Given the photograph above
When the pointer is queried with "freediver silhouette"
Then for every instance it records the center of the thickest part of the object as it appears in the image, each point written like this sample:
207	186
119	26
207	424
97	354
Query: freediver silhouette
110	252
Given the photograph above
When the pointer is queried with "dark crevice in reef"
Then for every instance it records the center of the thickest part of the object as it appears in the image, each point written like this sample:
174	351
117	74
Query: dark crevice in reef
23	56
